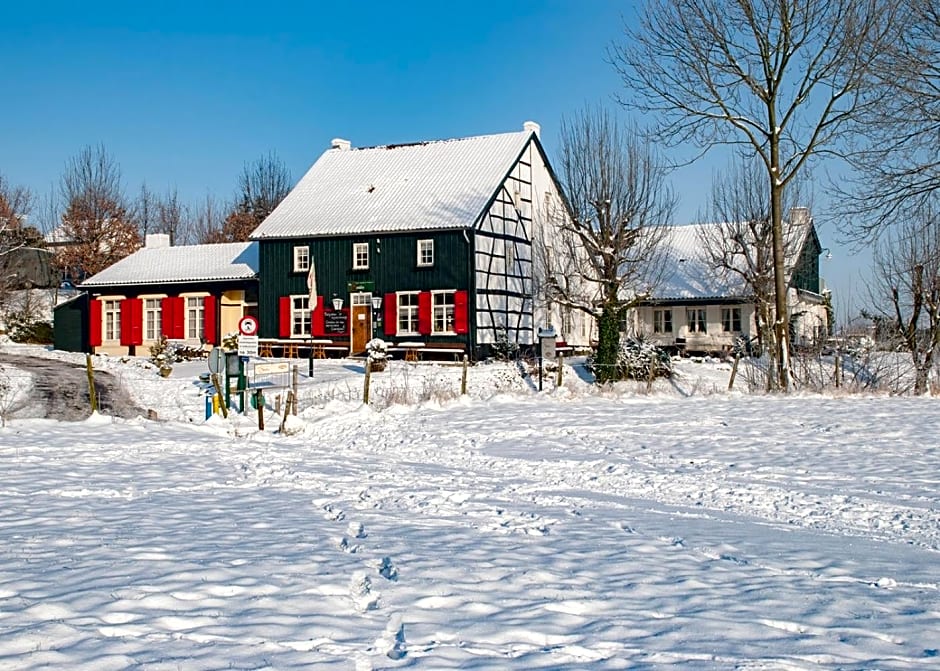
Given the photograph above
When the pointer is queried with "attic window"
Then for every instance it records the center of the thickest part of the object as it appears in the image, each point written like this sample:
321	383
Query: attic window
360	256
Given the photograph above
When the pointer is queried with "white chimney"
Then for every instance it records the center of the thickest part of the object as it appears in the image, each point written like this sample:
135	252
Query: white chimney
157	240
341	144
532	127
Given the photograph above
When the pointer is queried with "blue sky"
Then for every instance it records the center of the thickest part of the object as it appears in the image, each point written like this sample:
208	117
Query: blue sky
184	94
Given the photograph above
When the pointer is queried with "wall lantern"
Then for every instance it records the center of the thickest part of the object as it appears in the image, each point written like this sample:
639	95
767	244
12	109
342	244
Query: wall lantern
337	303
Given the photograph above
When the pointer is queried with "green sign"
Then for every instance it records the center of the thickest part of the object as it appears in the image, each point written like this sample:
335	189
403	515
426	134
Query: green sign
356	287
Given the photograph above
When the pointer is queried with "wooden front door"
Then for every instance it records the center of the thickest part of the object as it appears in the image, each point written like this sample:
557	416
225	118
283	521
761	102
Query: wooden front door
360	314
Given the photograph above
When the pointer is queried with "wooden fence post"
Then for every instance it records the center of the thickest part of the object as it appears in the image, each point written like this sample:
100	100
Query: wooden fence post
287	404
92	395
294	383
558	372
365	388
734	371
463	376
259	404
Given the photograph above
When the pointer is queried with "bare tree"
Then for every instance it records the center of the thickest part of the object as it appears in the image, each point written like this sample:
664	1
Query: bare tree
15	234
780	77
739	245
145	209
607	255
97	227
897	165
262	186
205	222
907	290
172	219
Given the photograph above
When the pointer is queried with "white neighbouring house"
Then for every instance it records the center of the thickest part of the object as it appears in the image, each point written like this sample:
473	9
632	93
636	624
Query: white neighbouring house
699	308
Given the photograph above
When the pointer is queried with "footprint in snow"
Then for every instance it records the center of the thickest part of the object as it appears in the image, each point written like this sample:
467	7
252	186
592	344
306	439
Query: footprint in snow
332	513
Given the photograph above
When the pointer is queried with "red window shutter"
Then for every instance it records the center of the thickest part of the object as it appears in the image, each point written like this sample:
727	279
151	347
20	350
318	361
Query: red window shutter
179	324
424	312
94	323
209	320
285	320
167	306
460	312
131	321
317	325
391	315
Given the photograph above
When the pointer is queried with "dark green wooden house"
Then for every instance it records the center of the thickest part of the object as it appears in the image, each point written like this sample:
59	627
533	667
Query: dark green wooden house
428	246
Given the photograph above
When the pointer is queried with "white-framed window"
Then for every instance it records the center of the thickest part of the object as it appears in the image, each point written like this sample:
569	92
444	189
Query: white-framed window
153	318
442	312
301	259
731	320
360	258
195	318
662	321
696	320
300	315
407	313
111	315
425	252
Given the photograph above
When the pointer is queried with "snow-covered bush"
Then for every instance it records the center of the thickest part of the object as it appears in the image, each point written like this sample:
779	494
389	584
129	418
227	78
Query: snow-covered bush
230	341
640	359
162	357
377	353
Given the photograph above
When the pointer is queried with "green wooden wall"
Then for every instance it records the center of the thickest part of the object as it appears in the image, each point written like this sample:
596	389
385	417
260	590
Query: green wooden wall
393	266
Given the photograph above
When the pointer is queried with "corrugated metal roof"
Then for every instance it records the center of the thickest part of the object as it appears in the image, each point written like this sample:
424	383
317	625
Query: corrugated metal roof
428	185
226	261
690	275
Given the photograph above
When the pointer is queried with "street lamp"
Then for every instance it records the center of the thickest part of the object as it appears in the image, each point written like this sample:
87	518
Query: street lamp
828	253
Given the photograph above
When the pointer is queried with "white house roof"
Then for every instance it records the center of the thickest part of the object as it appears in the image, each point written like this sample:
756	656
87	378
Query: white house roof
188	263
425	186
690	275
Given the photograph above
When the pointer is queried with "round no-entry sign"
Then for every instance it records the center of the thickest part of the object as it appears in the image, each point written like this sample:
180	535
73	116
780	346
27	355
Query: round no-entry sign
248	325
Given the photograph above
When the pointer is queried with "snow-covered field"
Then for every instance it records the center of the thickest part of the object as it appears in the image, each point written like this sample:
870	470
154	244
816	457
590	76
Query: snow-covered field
506	529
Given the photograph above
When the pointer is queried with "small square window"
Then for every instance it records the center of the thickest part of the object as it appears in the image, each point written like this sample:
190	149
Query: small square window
301	259
361	256
425	252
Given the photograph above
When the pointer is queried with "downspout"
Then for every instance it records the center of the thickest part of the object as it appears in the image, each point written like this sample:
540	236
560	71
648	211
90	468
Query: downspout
471	295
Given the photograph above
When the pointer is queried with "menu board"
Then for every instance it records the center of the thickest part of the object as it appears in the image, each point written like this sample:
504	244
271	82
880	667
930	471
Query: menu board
335	322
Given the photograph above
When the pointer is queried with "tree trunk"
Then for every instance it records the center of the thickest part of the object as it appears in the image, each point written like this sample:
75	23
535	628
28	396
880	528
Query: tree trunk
608	344
781	325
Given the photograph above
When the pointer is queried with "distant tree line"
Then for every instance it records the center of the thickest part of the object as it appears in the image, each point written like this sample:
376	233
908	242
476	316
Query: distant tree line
91	221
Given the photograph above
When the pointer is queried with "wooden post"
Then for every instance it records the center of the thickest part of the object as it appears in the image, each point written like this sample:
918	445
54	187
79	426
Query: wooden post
294	382
558	373
838	370
218	390
365	388
463	376
92	395
734	371
287	404
259	404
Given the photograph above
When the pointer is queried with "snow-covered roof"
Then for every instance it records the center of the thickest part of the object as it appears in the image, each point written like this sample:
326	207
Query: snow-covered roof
426	186
689	274
188	263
